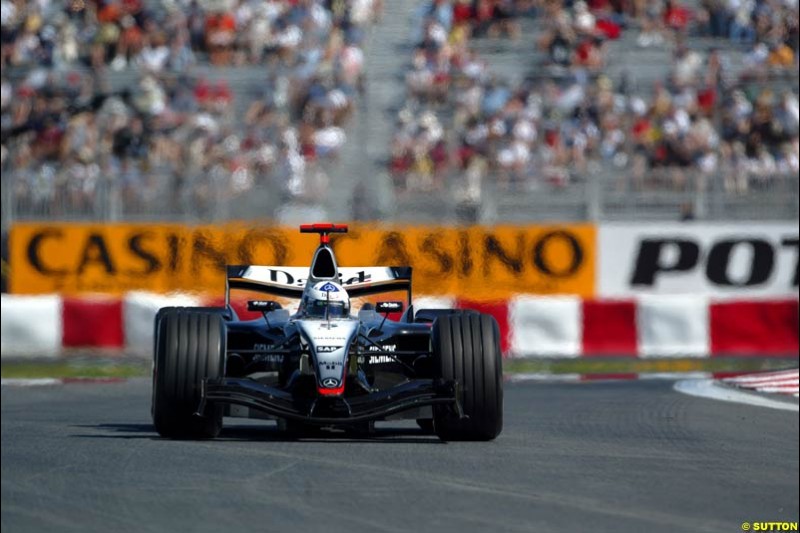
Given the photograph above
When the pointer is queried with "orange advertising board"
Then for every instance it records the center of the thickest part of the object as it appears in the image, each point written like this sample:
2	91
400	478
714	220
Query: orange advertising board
480	262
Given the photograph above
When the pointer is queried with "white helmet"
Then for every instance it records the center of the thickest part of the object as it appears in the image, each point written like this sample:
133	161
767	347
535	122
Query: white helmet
326	299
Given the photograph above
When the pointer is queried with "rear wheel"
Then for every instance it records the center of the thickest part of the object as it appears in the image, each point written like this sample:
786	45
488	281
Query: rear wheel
467	349
189	347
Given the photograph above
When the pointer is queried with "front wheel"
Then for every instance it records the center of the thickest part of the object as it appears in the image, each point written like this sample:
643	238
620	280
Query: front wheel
466	348
189	347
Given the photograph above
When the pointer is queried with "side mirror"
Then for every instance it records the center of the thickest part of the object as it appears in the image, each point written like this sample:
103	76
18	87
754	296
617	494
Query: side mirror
389	307
263	306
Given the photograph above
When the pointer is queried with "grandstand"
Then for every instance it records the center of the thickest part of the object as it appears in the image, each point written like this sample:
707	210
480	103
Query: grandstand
636	127
424	111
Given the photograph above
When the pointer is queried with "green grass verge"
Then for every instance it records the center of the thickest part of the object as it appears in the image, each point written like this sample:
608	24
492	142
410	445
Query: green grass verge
94	368
99	367
618	365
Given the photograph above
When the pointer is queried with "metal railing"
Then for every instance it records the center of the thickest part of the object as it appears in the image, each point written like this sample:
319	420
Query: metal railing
596	196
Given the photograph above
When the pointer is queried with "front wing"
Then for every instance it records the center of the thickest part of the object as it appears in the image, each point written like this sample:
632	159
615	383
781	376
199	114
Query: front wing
331	410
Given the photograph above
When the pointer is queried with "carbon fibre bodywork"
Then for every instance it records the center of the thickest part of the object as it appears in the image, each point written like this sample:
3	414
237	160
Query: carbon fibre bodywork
387	371
322	371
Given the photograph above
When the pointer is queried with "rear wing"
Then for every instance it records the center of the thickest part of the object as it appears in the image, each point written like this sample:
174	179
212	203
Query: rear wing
289	282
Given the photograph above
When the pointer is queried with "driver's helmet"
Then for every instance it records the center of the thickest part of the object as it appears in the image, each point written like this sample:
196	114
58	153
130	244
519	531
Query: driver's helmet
326	296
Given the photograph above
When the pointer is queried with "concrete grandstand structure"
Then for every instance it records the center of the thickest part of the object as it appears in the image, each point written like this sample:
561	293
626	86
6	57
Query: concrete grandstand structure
636	59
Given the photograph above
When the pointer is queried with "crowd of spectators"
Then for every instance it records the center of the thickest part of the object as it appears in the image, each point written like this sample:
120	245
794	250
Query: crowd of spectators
177	136
773	22
158	33
695	129
181	138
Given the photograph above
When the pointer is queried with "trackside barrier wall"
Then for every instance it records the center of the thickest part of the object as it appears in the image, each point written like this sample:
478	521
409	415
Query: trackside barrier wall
545	326
556	290
139	313
653	326
609	327
530	326
737	261
742	327
484	262
672	326
30	326
95	321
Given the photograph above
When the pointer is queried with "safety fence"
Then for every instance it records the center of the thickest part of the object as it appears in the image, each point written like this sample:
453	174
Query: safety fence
602	194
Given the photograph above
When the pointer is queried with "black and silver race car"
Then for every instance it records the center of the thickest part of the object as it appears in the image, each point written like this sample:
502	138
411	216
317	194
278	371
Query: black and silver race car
323	366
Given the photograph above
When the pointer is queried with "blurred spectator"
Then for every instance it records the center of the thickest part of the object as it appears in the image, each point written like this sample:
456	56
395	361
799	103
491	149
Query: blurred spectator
576	38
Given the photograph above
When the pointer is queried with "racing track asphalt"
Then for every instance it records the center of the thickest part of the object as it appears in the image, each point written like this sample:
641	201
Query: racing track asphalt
601	456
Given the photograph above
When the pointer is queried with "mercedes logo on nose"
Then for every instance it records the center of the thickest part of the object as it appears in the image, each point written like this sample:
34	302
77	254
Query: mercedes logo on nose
330	383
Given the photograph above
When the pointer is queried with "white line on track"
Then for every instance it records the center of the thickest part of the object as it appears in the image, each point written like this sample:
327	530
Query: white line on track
29	382
743	381
768	376
785	389
708	388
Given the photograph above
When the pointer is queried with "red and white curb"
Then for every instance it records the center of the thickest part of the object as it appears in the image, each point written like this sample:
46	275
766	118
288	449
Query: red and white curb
778	388
782	382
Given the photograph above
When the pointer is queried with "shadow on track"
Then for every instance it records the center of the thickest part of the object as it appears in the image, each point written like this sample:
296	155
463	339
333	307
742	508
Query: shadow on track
267	433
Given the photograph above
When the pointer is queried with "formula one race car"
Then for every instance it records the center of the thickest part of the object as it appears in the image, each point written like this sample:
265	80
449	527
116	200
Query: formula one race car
323	367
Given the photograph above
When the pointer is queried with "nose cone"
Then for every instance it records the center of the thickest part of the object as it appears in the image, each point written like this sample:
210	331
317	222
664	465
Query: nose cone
330	344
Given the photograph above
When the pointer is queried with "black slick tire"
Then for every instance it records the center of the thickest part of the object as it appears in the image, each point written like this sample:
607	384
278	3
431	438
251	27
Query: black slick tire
466	348
189	347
